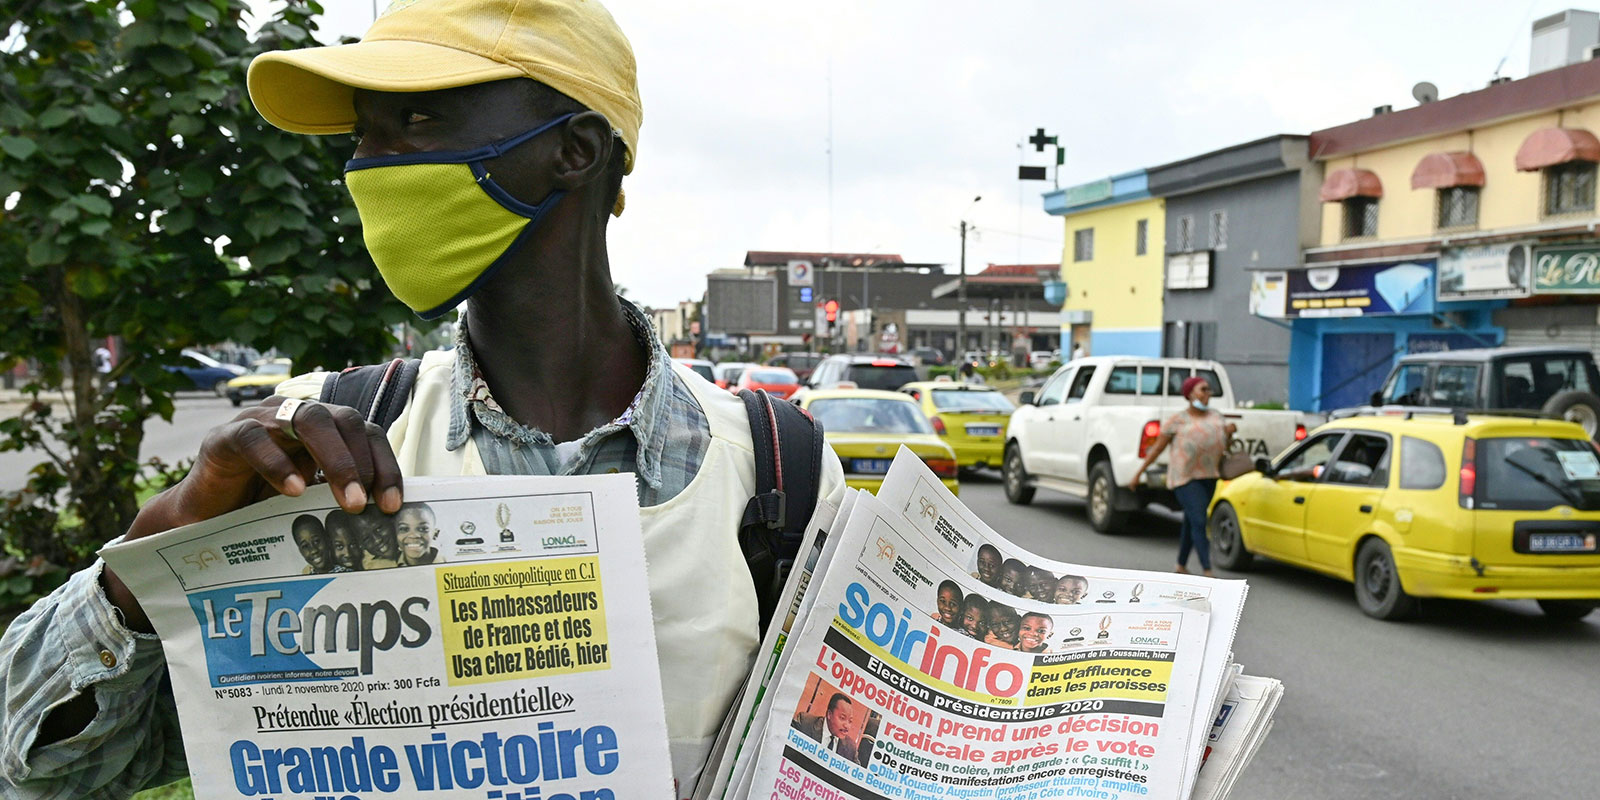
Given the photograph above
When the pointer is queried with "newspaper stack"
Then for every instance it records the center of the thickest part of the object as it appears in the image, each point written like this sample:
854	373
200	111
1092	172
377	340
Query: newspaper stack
924	655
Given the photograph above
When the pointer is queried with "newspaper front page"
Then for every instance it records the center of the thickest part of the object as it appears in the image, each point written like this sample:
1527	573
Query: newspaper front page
492	640
912	679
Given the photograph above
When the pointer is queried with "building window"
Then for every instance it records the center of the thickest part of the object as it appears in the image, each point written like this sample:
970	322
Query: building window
1141	237
1458	207
1360	217
1185	234
1569	187
1219	230
1083	245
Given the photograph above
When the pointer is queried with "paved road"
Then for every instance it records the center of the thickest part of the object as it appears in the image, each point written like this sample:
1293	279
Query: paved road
194	414
1472	700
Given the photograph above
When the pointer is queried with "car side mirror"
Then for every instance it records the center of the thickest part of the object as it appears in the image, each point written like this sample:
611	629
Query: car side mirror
1377	398
1264	467
1026	398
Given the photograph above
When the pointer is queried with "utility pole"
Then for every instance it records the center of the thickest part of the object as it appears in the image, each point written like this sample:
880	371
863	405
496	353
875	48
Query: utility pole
961	297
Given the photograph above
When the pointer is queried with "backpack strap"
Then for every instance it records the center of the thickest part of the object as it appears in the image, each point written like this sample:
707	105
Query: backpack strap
379	391
788	457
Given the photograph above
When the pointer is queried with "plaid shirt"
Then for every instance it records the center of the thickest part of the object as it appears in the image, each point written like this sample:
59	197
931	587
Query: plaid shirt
73	641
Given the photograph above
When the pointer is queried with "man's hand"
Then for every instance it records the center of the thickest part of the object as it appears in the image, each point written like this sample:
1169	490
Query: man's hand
256	456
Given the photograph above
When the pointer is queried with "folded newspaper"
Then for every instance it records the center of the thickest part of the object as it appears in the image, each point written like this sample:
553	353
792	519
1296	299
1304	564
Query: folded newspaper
927	656
493	640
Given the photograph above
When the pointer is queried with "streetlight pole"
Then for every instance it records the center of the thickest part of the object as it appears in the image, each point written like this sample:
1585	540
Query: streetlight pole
961	292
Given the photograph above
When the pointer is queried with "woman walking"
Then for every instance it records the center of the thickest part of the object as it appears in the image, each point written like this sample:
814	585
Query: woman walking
1199	437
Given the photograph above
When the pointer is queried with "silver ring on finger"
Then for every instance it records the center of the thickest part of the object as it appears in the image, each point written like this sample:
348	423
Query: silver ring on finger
285	416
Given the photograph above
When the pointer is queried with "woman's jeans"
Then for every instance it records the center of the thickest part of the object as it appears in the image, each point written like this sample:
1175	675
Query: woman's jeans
1195	497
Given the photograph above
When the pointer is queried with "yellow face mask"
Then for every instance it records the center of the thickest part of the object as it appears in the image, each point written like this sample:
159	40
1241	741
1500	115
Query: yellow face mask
437	225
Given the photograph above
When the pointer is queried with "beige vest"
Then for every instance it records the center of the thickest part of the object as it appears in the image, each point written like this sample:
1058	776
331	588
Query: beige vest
700	592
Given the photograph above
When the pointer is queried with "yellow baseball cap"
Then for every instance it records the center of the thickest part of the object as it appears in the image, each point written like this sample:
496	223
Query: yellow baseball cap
572	46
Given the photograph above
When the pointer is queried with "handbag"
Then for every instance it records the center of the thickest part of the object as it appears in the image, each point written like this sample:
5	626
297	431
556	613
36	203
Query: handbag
1235	464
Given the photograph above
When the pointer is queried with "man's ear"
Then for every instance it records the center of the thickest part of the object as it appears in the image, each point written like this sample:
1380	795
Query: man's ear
586	143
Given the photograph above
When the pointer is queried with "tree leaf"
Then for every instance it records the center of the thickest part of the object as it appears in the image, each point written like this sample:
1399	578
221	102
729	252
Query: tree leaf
18	147
272	176
169	62
94	204
54	117
101	114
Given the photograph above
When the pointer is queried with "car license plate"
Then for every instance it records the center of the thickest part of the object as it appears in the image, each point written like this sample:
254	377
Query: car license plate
870	466
1561	543
983	430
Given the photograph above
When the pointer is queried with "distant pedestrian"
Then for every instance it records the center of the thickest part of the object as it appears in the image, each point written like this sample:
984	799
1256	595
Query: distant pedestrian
1200	437
969	375
1078	352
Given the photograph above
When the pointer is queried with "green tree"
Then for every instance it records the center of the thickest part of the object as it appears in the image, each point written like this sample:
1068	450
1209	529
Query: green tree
145	199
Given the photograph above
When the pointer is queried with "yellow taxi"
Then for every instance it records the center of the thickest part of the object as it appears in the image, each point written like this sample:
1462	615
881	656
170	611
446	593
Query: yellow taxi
971	419
865	427
261	381
1427	505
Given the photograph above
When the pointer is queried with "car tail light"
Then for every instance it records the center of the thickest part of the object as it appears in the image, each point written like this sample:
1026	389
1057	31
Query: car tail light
938	426
943	467
1469	472
1148	437
1299	433
885	363
845	385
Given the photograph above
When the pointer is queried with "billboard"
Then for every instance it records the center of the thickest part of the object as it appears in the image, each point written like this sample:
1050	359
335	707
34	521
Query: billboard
741	305
1565	269
1189	270
1485	272
1358	290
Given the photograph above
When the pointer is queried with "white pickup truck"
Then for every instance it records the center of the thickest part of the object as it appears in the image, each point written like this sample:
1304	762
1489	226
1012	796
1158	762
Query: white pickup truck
1091	424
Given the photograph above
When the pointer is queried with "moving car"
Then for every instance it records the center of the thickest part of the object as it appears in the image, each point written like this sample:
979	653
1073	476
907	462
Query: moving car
866	428
780	382
700	366
1427	505
971	419
204	372
802	363
1560	382
864	371
260	381
726	373
1089	427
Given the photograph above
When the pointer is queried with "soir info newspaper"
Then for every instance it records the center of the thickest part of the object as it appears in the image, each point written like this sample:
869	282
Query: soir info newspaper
491	641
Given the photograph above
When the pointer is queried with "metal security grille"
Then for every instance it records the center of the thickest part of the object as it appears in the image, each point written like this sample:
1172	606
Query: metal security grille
1083	245
1360	217
1185	234
1569	188
1550	326
1458	207
1141	237
1219	230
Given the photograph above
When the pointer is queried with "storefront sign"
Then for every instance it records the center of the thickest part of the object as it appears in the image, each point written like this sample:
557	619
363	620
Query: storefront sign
1269	294
1485	272
1360	290
1567	269
1189	270
1086	193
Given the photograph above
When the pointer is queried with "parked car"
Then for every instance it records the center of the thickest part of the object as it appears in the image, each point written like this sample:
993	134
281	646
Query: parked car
927	356
780	382
866	428
261	381
869	371
1427	505
206	373
700	366
1560	382
971	419
802	363
1091	424
726	373
1039	359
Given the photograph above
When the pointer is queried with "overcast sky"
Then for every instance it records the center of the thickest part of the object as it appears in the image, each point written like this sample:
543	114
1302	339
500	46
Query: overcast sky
930	99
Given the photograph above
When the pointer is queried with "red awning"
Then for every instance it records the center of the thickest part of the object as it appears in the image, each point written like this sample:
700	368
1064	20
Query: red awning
1548	147
1343	184
1444	170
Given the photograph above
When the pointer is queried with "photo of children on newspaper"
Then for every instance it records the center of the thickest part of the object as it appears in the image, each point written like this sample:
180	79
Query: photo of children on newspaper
830	718
999	625
344	542
1019	579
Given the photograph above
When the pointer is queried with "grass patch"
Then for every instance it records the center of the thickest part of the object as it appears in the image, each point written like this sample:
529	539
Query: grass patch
172	791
